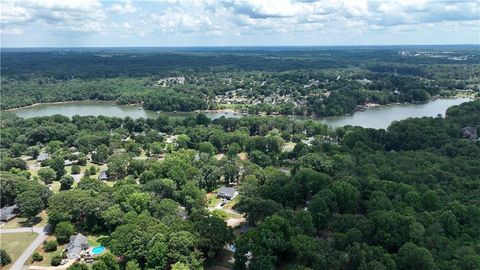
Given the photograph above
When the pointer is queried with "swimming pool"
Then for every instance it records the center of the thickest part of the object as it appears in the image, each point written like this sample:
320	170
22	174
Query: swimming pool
98	250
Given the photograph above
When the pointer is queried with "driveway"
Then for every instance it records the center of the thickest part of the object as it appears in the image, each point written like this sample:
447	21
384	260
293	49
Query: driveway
27	253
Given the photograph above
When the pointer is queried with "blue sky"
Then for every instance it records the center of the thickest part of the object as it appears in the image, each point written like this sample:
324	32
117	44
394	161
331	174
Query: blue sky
95	23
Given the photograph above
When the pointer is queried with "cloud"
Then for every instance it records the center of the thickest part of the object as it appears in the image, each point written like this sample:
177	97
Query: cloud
247	18
126	8
71	15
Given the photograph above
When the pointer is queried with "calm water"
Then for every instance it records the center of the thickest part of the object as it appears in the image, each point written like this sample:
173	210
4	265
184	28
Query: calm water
382	116
378	117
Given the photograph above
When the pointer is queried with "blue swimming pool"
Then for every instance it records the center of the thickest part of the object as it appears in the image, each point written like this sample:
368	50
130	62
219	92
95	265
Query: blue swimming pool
98	250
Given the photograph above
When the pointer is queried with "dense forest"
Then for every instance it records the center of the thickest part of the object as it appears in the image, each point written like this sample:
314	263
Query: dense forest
312	197
303	81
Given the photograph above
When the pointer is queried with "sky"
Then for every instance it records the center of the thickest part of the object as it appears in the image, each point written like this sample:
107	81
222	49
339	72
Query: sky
171	23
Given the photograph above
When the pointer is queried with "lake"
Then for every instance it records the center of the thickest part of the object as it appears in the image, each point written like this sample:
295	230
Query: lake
377	117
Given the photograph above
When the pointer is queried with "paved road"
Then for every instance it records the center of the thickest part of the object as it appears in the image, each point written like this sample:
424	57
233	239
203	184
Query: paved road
27	253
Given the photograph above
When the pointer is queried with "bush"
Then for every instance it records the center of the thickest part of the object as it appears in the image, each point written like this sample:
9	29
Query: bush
56	260
63	231
50	245
37	257
4	258
76	169
78	266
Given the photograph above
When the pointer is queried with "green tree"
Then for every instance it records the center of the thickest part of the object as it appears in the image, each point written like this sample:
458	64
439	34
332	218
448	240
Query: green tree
412	257
180	266
347	196
117	165
78	266
157	254
213	235
63	231
138	202
66	182
109	261
206	147
58	165
30	204
100	155
450	223
132	265
47	175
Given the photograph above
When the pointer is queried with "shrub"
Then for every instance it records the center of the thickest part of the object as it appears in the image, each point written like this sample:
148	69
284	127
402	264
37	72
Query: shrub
50	245
56	260
76	169
4	257
37	257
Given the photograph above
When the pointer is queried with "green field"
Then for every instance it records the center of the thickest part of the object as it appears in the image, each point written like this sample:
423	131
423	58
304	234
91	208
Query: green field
16	243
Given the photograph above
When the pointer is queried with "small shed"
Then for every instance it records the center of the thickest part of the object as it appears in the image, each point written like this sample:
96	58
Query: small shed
227	193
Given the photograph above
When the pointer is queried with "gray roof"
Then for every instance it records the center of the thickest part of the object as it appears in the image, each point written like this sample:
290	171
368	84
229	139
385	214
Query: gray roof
7	212
42	156
103	175
77	243
226	192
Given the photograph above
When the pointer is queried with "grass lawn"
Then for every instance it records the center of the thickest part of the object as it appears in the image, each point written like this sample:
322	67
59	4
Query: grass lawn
231	215
93	240
232	203
212	200
47	256
33	167
16	243
19	222
55	186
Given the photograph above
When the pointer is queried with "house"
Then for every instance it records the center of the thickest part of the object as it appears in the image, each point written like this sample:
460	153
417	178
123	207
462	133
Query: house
77	244
68	162
103	176
42	156
8	212
470	133
227	193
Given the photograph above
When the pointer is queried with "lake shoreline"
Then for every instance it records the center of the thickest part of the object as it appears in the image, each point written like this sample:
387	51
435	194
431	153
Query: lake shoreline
140	112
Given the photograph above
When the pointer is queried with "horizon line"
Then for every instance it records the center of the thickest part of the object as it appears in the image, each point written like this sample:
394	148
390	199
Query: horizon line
244	46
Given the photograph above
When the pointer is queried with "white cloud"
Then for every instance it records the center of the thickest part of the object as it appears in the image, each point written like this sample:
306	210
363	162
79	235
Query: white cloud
236	17
12	31
126	8
71	15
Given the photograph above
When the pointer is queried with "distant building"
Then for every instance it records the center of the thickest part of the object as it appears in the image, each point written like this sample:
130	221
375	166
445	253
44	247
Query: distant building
8	212
103	176
470	133
68	162
227	193
77	244
42	156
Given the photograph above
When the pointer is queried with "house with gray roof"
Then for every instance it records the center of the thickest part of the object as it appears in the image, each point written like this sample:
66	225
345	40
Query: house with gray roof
227	193
8	212
77	244
42	156
103	176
